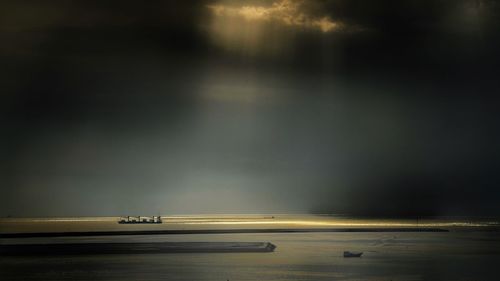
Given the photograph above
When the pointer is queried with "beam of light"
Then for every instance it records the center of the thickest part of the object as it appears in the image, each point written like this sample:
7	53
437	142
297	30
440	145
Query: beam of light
258	30
286	12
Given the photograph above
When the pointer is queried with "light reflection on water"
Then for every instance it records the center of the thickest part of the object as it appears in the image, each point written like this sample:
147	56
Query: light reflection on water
236	221
456	255
298	256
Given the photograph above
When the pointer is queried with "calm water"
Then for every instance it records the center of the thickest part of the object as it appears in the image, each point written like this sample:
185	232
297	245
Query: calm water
465	253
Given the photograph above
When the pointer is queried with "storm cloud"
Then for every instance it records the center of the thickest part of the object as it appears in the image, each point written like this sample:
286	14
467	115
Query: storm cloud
353	107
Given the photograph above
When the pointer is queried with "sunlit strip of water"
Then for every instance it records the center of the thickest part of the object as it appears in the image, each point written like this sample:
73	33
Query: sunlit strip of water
337	224
279	220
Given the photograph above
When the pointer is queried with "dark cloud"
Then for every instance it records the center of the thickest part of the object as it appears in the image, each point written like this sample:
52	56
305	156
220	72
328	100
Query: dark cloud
121	107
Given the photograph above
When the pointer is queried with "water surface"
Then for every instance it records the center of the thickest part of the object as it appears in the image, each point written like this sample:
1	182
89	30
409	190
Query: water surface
470	251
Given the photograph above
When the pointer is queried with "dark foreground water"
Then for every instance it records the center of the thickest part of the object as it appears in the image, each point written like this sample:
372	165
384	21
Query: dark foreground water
461	254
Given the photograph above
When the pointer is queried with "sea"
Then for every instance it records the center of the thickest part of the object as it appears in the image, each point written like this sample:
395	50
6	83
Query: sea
469	250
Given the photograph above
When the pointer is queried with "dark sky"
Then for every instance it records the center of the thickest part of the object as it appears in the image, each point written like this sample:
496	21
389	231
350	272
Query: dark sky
376	108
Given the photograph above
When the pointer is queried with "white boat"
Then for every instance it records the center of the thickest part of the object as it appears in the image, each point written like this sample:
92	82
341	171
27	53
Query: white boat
139	219
348	254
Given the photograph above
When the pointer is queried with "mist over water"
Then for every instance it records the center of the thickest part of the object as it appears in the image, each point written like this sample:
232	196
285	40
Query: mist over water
324	152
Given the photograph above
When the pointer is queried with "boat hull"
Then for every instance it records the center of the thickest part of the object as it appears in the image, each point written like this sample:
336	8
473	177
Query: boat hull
348	254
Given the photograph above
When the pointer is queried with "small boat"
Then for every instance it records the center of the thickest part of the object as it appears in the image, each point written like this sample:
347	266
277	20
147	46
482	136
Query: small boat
140	220
348	254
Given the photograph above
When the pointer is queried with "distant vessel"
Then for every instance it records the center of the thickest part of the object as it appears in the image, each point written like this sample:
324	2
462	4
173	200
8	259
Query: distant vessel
348	254
140	220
